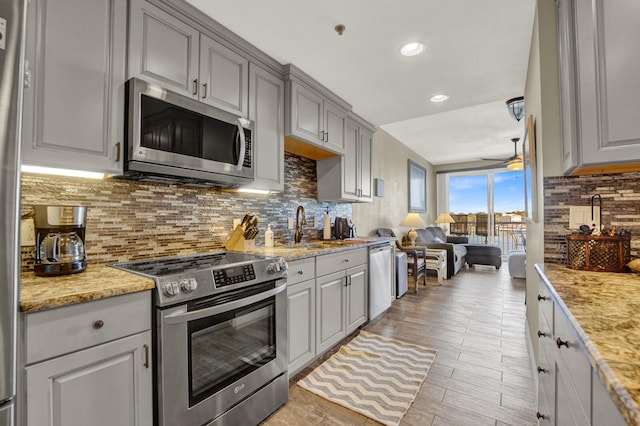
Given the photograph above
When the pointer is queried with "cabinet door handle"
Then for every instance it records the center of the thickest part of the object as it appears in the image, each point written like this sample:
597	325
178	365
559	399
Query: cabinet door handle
346	281
322	135
98	324
542	334
146	356
195	87
540	416
542	370
204	90
117	152
326	136
542	298
560	343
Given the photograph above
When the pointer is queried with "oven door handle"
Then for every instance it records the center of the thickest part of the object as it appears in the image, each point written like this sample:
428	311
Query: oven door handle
225	307
243	142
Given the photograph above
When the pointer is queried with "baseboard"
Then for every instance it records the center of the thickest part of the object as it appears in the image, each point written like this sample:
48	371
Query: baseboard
532	359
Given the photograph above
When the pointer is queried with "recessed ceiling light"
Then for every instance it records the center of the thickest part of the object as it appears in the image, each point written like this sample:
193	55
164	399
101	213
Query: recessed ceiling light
439	98
412	49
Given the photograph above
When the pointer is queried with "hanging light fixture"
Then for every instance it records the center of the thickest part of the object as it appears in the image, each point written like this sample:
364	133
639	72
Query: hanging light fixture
516	107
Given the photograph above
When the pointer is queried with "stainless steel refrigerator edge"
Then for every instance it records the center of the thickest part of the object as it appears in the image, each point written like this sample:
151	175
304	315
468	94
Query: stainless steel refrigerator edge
12	24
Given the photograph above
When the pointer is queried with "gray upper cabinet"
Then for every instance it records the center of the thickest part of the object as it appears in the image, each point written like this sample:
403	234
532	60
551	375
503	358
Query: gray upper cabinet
314	119
348	178
163	49
166	50
224	80
600	83
266	110
74	94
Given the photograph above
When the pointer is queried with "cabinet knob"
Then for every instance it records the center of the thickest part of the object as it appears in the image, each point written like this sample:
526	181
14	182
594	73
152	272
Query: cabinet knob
540	415
542	334
560	342
98	324
542	298
300	272
542	370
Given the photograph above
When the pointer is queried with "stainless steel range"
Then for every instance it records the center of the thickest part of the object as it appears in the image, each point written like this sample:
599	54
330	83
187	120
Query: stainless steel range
220	337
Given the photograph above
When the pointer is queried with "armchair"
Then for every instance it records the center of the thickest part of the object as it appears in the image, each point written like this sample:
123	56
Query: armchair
416	256
434	238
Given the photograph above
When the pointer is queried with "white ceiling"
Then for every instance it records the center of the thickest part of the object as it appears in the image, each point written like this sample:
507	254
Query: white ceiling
476	52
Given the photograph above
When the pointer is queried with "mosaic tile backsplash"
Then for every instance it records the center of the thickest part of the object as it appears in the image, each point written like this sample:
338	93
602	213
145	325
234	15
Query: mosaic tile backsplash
620	208
129	220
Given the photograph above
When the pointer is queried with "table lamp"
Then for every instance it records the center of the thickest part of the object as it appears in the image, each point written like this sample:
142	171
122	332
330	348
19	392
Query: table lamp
413	220
445	218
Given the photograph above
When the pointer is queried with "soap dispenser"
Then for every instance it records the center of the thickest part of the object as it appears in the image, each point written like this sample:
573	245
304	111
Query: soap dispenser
326	232
268	237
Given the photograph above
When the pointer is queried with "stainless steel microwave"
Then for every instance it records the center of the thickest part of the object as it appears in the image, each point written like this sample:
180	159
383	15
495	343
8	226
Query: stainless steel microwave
176	139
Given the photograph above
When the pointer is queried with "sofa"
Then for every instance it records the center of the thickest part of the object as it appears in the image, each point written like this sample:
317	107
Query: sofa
434	238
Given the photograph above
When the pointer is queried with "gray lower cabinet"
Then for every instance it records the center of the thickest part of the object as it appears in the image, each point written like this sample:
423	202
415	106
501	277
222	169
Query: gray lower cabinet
328	300
599	90
348	178
266	110
341	296
74	84
168	50
301	295
90	363
569	390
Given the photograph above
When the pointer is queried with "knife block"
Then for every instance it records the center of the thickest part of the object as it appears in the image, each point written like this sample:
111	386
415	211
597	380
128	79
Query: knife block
237	242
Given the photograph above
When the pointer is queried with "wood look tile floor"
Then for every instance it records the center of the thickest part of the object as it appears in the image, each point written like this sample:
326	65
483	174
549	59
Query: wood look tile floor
481	374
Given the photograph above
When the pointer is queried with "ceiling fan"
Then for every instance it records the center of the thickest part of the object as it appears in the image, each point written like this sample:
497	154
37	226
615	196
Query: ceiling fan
514	162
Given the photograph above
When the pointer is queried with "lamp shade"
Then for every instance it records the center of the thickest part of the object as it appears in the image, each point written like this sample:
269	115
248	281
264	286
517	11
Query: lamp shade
413	220
516	107
445	218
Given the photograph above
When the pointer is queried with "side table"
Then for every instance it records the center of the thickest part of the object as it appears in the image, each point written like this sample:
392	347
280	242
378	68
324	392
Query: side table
437	261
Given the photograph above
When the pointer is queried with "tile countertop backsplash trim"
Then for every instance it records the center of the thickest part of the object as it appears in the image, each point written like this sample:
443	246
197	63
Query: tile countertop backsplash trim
605	324
620	208
129	220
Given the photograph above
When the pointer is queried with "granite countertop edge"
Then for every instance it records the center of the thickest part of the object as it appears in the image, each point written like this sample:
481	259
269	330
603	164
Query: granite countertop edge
99	281
622	398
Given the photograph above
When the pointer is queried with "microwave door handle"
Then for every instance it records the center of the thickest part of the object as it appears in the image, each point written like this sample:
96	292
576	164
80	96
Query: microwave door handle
242	145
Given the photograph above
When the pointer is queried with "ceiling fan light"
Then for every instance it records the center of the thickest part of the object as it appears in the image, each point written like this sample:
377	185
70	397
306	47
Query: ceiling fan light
515	165
516	107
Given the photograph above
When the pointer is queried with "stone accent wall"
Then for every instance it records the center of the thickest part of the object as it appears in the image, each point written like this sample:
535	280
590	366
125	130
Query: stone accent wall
129	220
620	208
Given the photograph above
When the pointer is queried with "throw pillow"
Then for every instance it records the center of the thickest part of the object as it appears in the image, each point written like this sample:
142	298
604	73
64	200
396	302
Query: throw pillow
438	240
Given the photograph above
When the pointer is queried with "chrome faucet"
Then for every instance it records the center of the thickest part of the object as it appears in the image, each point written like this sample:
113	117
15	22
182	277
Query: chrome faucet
299	224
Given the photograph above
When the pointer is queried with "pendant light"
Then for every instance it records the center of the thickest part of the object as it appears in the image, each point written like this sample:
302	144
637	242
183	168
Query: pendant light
516	107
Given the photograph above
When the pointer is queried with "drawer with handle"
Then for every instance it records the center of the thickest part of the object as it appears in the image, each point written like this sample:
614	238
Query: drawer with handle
58	331
301	270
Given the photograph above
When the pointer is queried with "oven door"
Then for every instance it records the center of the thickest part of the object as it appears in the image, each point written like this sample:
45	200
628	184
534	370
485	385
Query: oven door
217	352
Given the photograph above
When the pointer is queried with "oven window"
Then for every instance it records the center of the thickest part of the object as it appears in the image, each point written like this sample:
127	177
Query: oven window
228	346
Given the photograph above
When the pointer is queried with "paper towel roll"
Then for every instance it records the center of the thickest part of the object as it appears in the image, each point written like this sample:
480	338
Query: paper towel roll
326	232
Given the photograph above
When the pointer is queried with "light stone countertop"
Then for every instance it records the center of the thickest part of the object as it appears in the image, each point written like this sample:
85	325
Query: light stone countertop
603	308
100	281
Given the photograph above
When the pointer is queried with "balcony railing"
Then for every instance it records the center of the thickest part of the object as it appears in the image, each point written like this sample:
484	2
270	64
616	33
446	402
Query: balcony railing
506	235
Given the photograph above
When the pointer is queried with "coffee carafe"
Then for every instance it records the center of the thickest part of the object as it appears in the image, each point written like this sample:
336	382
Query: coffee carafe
60	239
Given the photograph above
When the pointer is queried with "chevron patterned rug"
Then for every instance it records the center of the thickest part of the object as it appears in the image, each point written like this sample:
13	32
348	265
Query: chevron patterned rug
373	375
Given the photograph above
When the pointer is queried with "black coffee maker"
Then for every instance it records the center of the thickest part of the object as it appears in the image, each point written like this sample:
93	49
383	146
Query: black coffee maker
60	236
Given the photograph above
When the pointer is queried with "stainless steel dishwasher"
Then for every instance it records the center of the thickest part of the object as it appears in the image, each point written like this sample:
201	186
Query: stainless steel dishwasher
380	279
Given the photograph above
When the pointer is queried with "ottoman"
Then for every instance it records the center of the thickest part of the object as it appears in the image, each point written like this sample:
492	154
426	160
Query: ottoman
518	264
482	254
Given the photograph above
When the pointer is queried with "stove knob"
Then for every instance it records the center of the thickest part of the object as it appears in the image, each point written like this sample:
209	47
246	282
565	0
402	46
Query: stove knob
188	285
170	289
276	267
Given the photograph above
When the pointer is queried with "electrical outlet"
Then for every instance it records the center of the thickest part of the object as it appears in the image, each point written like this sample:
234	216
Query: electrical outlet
289	223
28	233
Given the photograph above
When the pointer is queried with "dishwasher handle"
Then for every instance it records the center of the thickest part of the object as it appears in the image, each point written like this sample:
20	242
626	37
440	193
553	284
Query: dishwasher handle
378	249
